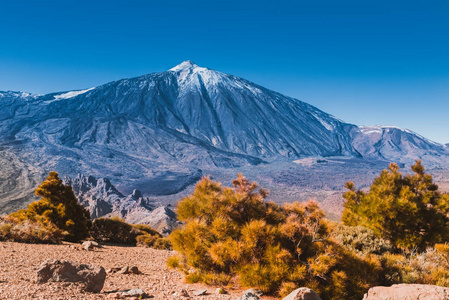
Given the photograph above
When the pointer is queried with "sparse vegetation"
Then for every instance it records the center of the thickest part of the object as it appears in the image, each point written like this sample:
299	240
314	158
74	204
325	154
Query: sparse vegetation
58	210
232	234
408	211
395	233
58	216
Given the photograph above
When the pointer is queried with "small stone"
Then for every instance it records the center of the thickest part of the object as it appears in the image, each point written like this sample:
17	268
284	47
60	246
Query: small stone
220	291
129	270
115	296
134	270
200	293
88	246
139	293
183	293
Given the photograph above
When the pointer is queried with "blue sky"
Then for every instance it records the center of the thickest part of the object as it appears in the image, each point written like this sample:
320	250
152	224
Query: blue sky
366	62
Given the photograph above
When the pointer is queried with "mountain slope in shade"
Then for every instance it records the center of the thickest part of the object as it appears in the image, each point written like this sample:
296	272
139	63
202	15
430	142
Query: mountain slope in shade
159	133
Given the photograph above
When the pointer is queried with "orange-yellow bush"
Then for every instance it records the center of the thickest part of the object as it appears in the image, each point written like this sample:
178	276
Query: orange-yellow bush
58	208
232	234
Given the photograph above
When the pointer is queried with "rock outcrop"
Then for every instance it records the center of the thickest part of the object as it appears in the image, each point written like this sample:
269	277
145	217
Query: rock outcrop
407	292
102	199
92	277
97	195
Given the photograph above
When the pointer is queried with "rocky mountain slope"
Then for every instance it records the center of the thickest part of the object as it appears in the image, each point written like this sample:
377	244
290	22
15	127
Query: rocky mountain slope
159	133
102	199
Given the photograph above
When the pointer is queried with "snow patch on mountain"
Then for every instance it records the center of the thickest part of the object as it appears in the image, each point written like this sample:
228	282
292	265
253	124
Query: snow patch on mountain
69	95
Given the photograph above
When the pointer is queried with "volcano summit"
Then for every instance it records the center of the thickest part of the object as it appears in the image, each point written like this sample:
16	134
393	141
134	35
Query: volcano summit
161	132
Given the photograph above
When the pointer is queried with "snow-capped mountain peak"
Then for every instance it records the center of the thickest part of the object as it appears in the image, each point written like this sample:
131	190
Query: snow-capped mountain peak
185	65
162	131
190	73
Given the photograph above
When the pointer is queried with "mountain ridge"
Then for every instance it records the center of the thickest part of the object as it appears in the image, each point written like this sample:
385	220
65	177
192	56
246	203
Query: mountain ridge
161	132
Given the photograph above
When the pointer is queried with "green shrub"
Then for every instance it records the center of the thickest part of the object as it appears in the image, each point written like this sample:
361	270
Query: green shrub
58	208
408	211
194	277
232	234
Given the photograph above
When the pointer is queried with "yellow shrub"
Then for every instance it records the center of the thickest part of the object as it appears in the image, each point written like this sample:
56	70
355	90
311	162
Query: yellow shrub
146	240
174	262
232	234
58	208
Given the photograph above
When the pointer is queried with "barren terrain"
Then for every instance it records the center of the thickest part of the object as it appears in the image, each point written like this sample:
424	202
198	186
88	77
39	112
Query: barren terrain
18	264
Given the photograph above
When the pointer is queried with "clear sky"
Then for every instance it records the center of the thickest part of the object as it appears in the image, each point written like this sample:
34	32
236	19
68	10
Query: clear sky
366	62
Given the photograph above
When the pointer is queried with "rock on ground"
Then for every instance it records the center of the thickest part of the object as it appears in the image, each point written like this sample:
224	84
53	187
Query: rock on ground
407	292
68	271
249	296
200	293
302	294
134	293
90	245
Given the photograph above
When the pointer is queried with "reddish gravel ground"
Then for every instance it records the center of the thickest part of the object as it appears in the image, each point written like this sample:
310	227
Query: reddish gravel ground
19	262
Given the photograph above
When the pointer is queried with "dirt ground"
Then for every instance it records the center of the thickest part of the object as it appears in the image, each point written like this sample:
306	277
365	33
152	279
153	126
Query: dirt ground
19	262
